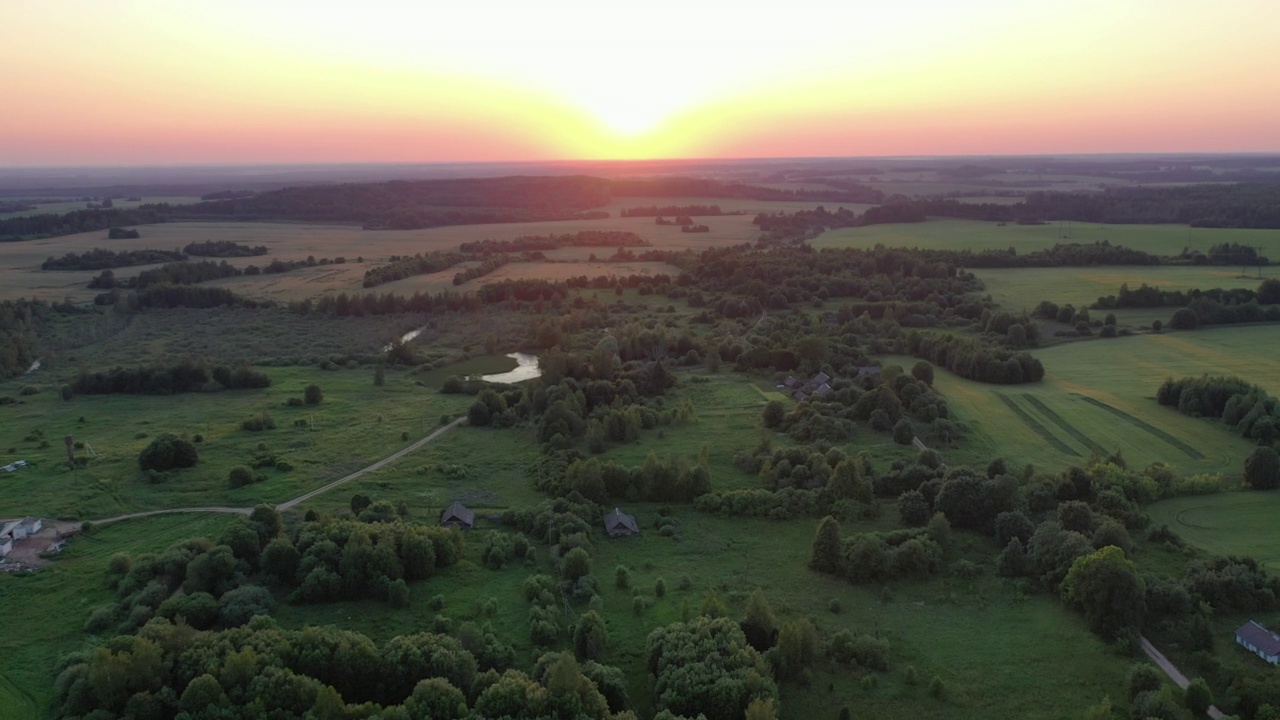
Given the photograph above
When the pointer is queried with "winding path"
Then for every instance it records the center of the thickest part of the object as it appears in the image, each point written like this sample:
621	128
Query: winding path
287	504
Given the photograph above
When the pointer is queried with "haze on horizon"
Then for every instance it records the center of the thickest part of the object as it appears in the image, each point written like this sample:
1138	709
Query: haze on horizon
170	82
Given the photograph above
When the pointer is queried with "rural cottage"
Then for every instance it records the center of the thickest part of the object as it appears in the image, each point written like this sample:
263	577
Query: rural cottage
1259	640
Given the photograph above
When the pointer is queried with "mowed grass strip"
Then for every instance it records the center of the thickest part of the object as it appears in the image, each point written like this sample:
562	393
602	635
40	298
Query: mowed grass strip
1152	429
1036	427
1061	422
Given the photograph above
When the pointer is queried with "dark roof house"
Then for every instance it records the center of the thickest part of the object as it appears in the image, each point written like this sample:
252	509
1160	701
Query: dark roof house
1261	641
457	515
619	523
820	379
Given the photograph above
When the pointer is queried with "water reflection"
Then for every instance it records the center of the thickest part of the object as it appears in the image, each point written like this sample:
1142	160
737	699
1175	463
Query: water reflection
526	369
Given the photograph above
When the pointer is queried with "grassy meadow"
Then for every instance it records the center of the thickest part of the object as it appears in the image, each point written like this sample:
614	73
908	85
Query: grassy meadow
1024	288
1099	396
1236	523
355	425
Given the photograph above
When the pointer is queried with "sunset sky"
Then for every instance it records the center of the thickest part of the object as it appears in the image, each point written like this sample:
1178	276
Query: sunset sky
233	81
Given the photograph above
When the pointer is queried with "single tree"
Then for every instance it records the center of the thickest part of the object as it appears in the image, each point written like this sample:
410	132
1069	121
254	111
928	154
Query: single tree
759	625
1105	585
1262	469
826	546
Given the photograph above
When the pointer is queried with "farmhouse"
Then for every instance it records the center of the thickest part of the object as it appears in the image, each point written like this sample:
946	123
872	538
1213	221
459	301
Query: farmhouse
6	545
457	515
1260	641
618	523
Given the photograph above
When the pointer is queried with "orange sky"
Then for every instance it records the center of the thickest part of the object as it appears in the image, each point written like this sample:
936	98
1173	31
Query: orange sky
231	81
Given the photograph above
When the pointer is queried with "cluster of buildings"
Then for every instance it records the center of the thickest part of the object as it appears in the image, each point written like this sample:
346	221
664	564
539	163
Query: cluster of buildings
16	530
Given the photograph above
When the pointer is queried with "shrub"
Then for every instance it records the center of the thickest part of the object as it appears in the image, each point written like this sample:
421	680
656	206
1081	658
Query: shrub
622	577
937	688
258	423
1184	319
660	587
312	395
168	452
398	593
240	476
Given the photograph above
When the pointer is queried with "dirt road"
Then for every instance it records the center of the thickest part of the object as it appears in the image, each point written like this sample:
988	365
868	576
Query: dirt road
64	526
1174	673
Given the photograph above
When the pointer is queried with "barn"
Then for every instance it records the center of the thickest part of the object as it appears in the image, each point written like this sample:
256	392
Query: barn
618	524
459	516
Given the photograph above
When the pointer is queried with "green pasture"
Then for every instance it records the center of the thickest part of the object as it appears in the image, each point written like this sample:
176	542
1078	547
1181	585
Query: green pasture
1023	288
481	467
1142	363
946	234
46	610
1099	396
355	425
1234	523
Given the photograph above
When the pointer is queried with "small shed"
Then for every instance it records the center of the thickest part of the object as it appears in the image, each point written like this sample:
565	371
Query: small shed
791	382
618	523
459	516
1260	641
799	396
869	370
27	526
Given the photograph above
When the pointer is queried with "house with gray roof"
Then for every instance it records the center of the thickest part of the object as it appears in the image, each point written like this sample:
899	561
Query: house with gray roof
618	523
459	516
1260	641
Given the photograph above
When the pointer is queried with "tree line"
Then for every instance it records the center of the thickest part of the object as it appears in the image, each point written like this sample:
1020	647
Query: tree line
677	210
528	243
223	248
100	259
1245	408
183	377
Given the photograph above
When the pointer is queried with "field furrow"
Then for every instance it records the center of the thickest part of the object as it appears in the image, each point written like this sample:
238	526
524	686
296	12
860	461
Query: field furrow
1061	422
1148	427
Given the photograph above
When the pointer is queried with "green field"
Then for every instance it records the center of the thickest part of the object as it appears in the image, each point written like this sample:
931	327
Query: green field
51	606
1022	289
355	425
1236	523
1099	396
977	235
